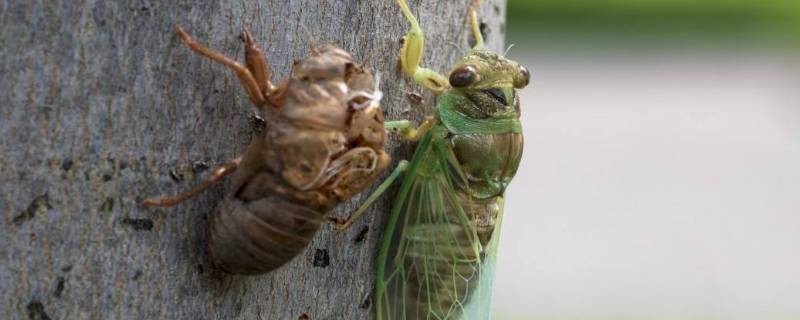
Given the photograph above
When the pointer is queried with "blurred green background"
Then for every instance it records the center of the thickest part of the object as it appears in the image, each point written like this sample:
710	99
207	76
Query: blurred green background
649	22
660	172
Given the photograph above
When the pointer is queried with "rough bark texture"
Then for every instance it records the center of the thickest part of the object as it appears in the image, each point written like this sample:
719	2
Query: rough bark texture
102	106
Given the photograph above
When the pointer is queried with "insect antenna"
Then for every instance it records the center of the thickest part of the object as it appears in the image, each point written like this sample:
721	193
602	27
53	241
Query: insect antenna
508	49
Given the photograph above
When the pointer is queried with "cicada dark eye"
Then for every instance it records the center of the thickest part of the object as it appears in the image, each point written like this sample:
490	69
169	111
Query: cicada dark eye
463	76
524	77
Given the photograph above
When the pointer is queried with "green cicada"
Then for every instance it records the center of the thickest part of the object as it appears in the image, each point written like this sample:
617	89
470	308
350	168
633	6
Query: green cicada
439	249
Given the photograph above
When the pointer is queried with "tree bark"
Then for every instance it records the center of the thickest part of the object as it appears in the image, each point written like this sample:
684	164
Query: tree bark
102	106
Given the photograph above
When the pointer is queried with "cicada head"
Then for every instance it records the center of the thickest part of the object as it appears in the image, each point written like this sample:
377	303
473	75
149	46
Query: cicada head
481	111
490	82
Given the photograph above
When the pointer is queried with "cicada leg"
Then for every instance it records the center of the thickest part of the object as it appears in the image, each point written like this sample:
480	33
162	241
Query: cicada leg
345	223
407	130
244	74
411	55
256	62
216	175
474	25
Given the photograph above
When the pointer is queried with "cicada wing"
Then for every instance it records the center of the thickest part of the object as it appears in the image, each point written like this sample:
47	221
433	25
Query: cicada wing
480	305
431	258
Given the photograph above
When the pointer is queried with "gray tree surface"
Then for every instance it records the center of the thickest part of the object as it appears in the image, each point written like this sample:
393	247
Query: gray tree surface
102	106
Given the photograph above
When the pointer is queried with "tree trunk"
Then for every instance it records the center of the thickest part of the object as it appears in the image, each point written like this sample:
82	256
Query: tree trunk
102	106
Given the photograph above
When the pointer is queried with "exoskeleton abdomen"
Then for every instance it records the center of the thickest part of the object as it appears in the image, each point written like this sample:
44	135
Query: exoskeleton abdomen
259	236
323	145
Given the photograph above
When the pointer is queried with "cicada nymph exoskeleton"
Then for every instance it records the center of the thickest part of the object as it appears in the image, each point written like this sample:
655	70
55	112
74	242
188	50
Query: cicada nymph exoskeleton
322	144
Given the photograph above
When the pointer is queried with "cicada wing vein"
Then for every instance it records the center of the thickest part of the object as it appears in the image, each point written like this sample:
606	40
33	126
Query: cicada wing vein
431	262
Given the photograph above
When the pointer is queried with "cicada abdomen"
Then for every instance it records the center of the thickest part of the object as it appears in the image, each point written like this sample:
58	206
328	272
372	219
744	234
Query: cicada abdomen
322	144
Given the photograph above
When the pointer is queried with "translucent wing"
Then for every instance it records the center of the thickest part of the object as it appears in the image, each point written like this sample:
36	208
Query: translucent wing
433	258
480	305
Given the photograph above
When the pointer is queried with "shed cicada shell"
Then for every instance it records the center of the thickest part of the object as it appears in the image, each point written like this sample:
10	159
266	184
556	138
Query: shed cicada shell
440	245
322	144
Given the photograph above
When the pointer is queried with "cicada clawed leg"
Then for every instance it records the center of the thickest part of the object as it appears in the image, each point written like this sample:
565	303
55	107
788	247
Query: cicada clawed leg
407	130
254	76
411	55
256	62
475	25
216	175
345	223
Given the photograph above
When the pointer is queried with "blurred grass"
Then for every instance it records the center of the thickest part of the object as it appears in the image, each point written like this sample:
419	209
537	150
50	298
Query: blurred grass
694	8
765	23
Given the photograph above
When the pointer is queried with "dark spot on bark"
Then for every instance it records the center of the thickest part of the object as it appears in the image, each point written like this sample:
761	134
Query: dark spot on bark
144	8
36	311
484	30
496	9
257	123
199	166
215	91
66	268
415	98
361	235
200	269
137	274
107	206
60	284
321	258
139	224
304	317
106	177
402	41
175	175
38	203
367	302
123	165
66	164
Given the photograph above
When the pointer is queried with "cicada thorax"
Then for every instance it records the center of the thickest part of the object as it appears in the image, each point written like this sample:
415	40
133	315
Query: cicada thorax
322	146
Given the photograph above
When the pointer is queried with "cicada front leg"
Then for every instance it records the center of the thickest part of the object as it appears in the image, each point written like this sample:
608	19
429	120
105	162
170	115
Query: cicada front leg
254	76
345	223
407	130
256	62
475	25
411	55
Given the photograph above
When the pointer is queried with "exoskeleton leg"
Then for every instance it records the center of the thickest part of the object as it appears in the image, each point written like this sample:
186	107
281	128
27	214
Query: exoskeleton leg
407	130
216	175
243	73
342	224
256	62
411	55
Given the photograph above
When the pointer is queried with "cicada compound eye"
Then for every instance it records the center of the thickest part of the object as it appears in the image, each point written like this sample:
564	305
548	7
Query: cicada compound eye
463	76
522	79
